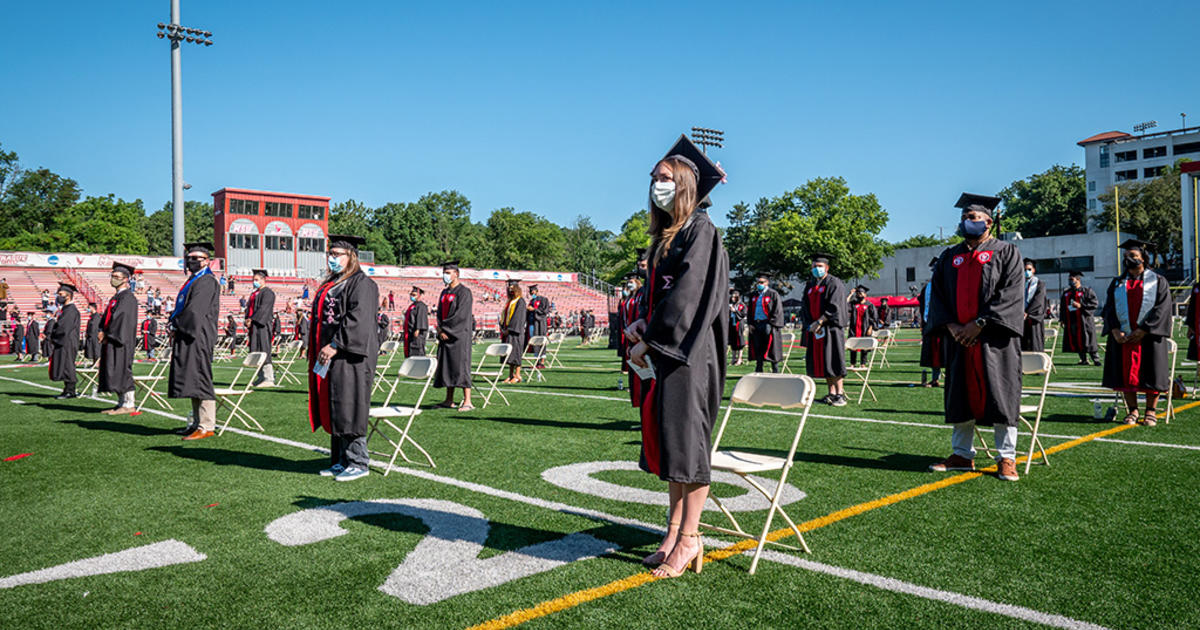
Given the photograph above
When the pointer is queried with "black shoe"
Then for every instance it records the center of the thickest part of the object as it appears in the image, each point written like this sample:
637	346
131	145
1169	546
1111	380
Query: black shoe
66	395
1096	362
1084	362
828	399
839	401
187	430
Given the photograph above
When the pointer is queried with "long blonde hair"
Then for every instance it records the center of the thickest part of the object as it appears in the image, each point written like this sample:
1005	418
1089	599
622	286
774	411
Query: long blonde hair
665	226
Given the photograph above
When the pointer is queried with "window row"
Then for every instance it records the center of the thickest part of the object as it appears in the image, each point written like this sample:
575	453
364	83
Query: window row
312	212
277	209
243	206
311	244
279	242
243	241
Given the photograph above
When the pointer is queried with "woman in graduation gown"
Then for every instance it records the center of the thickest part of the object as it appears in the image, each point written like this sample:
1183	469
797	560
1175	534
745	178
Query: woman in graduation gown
456	331
1033	337
1137	318
344	342
737	325
91	340
684	335
512	331
862	321
416	324
1078	332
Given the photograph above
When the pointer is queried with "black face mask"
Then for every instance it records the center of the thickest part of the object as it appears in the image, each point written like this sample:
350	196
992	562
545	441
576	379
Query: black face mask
194	265
1132	264
60	300
641	273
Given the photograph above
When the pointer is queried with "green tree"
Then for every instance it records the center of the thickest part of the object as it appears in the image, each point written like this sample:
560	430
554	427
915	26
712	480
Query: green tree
781	233
1149	209
159	227
10	169
585	246
524	240
35	202
621	255
1047	204
926	240
354	217
95	225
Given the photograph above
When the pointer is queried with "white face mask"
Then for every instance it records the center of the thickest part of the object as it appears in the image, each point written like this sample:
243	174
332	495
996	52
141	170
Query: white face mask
446	278
663	194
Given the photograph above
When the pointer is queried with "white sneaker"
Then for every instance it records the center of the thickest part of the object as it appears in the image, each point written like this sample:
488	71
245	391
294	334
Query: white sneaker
351	473
332	471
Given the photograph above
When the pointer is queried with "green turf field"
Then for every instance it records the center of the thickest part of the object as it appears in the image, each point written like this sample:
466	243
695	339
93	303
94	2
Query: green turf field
239	531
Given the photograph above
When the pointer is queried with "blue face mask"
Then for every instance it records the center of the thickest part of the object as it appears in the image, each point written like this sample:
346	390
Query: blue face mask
446	278
412	298
1028	273
972	229
335	265
761	287
818	272
257	284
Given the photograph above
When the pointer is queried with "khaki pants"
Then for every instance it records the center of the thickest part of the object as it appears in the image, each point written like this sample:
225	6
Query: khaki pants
205	414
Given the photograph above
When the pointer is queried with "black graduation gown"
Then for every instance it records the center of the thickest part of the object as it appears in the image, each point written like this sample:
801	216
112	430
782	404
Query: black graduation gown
32	343
46	332
634	310
737	325
260	310
416	326
195	328
119	325
1078	330
149	334
862	319
512	331
535	316
454	319
91	342
688	320
384	323
983	382
64	344
1144	366
825	355
302	326
344	314
933	344
1033	336
18	338
765	339
1192	321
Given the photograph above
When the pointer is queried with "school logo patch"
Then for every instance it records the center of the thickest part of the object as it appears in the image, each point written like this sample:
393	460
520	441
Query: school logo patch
958	260
984	257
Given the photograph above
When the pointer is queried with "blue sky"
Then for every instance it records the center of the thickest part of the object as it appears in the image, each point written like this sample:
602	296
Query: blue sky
562	108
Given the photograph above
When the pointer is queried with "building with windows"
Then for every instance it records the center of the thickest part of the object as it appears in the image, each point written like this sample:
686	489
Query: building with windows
283	233
1095	254
1116	157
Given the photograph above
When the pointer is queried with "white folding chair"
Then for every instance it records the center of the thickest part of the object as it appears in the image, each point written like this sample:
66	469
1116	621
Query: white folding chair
555	343
287	358
417	369
148	382
885	341
1031	363
89	377
388	349
537	351
499	351
1051	341
863	373
785	391
1173	350
233	395
787	339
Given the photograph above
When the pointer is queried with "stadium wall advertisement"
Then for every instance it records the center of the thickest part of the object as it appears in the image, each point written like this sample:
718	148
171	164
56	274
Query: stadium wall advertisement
167	263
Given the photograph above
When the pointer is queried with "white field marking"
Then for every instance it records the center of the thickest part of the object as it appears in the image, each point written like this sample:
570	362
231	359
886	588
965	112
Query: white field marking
17	402
446	562
879	580
578	478
153	556
908	588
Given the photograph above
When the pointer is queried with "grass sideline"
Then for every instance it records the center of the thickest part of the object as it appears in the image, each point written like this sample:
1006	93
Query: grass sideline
1107	535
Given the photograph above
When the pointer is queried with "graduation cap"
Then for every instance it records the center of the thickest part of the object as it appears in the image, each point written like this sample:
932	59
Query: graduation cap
202	247
533	287
123	268
641	253
979	203
762	274
346	241
261	272
1075	274
450	265
1139	245
821	257
63	286
863	288
708	174
418	289
511	281
92	304
1029	261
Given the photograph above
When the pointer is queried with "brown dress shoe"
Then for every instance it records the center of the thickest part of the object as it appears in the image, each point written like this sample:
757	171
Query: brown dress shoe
1007	470
122	411
954	462
199	434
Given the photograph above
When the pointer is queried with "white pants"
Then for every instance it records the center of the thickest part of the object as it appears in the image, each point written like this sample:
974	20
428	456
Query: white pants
963	440
127	400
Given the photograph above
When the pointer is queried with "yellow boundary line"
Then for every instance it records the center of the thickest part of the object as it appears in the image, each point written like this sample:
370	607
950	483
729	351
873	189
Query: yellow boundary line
571	600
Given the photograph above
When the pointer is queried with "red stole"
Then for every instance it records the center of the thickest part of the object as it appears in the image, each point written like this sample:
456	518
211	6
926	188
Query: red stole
968	282
318	387
1131	353
815	297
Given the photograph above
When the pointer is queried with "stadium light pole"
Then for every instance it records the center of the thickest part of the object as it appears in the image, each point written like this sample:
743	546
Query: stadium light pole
708	138
177	34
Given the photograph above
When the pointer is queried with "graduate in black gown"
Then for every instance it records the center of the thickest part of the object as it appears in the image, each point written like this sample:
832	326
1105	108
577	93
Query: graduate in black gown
635	309
536	313
455	330
1033	336
1137	319
64	341
384	323
766	324
737	325
260	316
1075	312
118	340
977	300
416	324
193	326
862	322
91	338
824	317
513	325
33	333
933	344
47	330
684	336
149	336
344	342
302	326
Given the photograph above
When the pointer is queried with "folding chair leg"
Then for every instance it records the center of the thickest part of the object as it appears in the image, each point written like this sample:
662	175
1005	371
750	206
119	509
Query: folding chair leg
983	442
